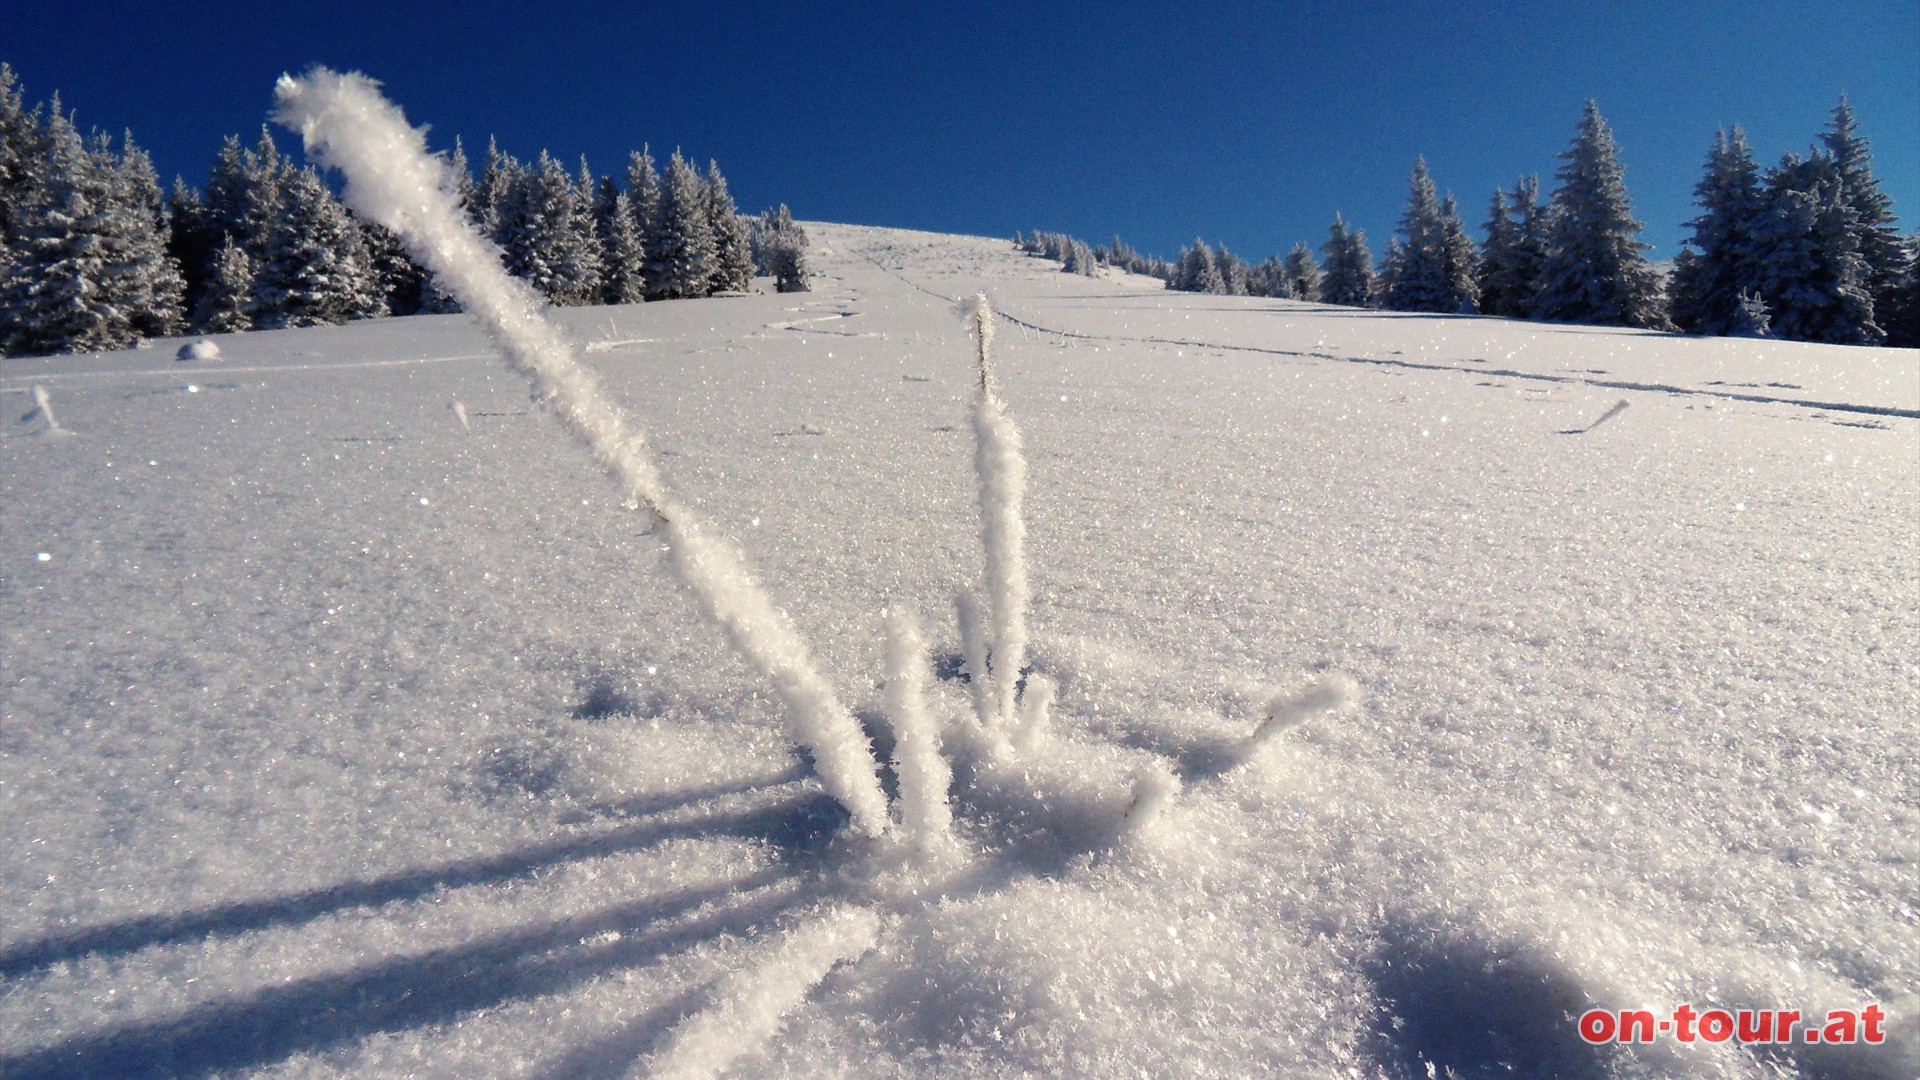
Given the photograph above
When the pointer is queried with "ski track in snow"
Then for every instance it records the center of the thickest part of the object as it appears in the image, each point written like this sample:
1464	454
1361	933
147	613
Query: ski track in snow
1661	388
405	757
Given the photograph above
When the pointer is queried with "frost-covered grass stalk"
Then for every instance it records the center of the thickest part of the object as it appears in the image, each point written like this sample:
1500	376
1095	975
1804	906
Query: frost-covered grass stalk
1036	713
926	817
973	650
44	402
1002	471
750	1004
391	178
1154	790
1288	711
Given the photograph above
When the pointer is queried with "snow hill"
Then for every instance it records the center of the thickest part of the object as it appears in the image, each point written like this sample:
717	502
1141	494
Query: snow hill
349	725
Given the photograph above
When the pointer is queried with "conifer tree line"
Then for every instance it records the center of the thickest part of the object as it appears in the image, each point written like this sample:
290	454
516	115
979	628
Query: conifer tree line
93	256
1805	251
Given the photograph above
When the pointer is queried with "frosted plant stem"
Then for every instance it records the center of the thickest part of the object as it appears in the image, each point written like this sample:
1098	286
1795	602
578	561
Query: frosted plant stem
926	817
1002	470
973	649
391	178
1036	714
1153	791
1288	711
749	1005
44	402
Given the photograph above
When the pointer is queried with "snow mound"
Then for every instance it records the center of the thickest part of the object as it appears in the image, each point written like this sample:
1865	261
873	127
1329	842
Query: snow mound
198	350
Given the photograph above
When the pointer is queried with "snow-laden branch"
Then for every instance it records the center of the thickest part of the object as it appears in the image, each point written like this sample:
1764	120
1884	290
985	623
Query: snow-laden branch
391	178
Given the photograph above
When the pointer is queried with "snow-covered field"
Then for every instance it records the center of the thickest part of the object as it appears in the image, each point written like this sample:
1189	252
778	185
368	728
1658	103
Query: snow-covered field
344	732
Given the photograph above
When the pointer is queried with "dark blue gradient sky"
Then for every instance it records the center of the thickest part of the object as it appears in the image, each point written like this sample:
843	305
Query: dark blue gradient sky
1248	123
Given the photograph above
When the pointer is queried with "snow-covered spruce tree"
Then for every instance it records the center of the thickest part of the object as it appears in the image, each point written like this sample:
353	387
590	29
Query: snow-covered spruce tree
1459	262
1198	270
460	174
494	191
1500	229
1074	256
1119	253
1902	320
1413	277
226	302
148	285
732	255
21	144
781	251
245	199
191	240
1080	259
1390	268
1300	274
623	256
316	270
86	265
226	200
1709	279
247	195
502	191
399	280
1232	270
1810	271
1265	278
1515	248
1596	269
1875	236
1346	273
682	262
1751	319
647	197
549	237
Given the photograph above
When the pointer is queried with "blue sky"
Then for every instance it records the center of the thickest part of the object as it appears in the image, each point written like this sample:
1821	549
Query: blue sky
1246	123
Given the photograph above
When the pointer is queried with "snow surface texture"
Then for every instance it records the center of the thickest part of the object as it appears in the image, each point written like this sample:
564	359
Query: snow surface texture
339	738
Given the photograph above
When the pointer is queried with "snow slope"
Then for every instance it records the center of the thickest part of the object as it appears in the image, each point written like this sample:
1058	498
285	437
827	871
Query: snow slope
344	732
